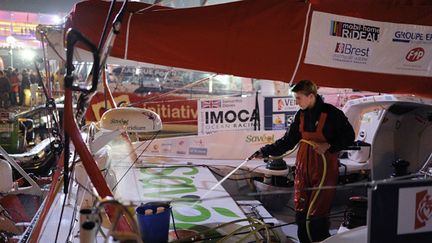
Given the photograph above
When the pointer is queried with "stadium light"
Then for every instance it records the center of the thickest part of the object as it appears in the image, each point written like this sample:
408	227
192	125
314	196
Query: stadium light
28	54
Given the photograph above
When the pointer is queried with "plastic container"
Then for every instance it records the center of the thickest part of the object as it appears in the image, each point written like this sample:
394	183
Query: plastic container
154	227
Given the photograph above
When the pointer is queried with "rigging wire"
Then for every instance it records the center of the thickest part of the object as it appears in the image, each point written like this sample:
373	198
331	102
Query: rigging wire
85	96
89	191
130	167
101	43
75	209
86	189
104	31
47	96
280	192
175	90
290	191
43	33
134	150
199	239
47	69
347	186
153	5
261	193
61	217
64	199
174	225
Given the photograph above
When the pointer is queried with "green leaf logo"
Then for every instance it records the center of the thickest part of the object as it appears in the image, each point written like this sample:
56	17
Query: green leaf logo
225	212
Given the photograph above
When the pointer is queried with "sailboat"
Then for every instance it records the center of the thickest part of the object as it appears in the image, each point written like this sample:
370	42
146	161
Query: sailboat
254	39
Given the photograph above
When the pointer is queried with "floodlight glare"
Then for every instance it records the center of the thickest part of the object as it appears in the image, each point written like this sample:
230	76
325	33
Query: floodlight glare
56	19
11	40
28	54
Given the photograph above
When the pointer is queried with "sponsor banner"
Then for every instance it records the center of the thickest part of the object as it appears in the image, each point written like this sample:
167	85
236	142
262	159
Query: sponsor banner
227	114
220	145
166	148
172	109
197	151
172	147
259	138
415	210
155	148
370	46
278	122
279	112
282	104
181	147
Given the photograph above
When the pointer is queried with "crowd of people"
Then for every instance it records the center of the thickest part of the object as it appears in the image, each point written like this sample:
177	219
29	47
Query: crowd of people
12	85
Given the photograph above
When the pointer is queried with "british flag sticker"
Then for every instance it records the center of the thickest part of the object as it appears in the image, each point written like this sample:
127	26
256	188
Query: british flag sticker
208	104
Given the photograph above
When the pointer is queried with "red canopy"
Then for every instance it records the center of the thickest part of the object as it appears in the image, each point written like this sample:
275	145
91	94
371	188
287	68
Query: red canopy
254	38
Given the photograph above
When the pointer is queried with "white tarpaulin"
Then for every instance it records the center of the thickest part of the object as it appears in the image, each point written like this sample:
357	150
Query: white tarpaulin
370	46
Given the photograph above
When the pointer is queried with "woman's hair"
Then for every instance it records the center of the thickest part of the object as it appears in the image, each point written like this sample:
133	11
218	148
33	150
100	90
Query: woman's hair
305	87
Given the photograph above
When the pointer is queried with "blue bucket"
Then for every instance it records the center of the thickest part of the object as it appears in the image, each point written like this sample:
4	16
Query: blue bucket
154	227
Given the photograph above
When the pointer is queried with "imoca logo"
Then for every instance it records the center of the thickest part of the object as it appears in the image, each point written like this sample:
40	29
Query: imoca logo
415	54
423	209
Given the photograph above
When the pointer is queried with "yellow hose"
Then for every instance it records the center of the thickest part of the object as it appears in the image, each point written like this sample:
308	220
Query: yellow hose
319	187
317	192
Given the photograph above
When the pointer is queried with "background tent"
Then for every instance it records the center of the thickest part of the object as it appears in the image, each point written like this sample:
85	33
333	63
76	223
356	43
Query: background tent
265	39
